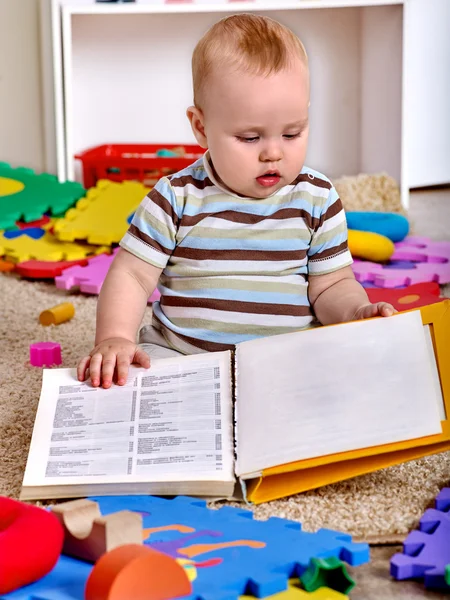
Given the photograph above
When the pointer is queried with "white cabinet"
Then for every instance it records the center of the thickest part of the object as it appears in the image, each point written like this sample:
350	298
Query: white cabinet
121	73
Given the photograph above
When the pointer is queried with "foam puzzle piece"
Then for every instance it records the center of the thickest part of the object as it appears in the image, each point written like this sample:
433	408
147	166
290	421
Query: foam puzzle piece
33	232
443	500
327	572
45	269
102	217
447	574
47	248
407	298
89	278
227	551
422	249
6	266
25	195
294	592
385	277
426	552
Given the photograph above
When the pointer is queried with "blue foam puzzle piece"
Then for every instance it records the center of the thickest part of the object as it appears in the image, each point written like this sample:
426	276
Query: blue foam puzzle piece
232	552
33	232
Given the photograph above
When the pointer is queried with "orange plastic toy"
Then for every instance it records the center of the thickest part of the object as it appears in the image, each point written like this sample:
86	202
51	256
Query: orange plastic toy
137	572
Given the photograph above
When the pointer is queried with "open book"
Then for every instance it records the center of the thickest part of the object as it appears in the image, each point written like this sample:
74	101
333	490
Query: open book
280	415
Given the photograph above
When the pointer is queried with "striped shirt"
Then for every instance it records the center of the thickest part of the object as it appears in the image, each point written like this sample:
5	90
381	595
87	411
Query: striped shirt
235	268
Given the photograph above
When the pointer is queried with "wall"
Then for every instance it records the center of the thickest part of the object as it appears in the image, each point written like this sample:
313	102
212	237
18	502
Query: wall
21	125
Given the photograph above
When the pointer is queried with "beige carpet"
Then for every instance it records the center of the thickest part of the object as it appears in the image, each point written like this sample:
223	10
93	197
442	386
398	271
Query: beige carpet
387	502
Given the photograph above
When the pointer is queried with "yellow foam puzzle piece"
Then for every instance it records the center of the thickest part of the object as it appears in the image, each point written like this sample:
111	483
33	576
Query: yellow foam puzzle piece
102	216
47	248
296	593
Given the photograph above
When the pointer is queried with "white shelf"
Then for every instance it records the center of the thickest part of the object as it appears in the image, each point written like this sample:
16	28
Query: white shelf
90	7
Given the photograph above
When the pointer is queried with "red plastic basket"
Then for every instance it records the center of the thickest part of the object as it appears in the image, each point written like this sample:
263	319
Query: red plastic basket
136	162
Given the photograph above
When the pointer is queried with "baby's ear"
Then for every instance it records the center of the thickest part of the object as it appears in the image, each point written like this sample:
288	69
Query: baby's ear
196	119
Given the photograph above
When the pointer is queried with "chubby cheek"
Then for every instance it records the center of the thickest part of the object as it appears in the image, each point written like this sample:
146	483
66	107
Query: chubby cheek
230	160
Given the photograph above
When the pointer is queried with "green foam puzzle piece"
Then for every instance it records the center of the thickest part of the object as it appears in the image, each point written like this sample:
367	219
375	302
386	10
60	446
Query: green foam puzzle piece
447	574
26	196
327	572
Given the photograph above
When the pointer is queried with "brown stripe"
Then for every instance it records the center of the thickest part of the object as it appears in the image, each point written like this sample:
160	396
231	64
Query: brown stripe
332	211
137	233
259	308
330	252
202	344
184	180
158	199
304	177
250	219
235	254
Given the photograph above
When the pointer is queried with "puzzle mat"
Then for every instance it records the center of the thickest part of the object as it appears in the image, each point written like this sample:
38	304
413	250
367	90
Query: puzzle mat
225	552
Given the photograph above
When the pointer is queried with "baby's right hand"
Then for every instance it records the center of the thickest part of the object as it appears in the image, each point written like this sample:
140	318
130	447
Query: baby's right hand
111	359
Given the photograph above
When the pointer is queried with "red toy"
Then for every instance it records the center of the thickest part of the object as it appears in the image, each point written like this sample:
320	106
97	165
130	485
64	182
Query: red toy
46	269
413	296
31	540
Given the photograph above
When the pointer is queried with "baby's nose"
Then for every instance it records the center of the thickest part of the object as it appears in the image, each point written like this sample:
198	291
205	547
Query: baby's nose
271	153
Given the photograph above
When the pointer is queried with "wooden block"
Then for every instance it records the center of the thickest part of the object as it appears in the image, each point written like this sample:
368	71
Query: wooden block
88	535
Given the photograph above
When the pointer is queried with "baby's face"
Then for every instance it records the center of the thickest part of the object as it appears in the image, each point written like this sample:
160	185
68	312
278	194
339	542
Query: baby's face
257	128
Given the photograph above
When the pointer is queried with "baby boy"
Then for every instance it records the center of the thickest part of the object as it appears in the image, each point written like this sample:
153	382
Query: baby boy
246	242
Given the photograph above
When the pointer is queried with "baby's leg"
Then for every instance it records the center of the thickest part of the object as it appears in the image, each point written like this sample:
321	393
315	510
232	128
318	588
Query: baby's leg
155	344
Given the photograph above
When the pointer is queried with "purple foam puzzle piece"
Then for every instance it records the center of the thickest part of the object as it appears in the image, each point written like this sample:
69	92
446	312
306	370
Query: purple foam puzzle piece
390	278
420	249
443	500
426	553
89	279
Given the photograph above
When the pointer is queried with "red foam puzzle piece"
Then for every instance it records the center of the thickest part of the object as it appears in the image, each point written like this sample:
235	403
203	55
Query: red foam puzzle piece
413	296
31	541
46	269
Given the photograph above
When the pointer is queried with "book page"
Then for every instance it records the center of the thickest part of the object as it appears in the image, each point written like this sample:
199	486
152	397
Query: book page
333	389
172	422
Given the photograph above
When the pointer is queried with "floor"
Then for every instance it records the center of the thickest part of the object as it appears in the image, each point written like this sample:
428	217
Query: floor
429	214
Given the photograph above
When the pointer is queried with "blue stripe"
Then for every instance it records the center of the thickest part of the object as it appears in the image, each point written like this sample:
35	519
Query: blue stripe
332	243
147	229
249	207
243	244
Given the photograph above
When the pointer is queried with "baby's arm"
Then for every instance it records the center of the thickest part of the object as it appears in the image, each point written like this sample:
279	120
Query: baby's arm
337	297
120	309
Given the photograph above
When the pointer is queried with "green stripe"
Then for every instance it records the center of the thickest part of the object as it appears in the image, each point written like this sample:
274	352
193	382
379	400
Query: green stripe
183	270
159	226
323	238
234	284
250	329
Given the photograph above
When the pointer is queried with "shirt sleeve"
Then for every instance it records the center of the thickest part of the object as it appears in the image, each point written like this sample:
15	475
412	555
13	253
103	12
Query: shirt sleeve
329	251
151	235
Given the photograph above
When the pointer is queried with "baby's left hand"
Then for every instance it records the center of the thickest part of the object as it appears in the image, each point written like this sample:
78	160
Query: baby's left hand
380	309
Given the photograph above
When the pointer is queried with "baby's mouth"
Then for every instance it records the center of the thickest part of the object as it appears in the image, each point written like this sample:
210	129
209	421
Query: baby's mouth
269	179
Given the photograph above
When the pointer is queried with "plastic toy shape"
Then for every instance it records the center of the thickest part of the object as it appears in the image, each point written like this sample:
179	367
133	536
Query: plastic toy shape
370	246
385	277
137	572
327	572
89	279
6	266
27	196
57	314
45	269
88	535
426	553
45	354
47	248
421	249
228	552
391	225
413	296
33	232
22	559
101	217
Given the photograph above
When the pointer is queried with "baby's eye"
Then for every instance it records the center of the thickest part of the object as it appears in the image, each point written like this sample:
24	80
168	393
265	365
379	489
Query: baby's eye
291	136
247	140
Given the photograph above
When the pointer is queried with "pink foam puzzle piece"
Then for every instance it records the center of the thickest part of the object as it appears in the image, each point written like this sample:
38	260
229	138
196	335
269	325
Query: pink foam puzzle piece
89	279
45	354
390	278
422	249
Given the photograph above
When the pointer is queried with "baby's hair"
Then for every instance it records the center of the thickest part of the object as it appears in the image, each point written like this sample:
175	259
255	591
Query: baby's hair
253	43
